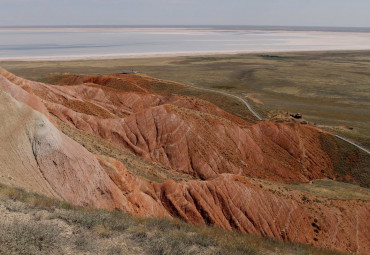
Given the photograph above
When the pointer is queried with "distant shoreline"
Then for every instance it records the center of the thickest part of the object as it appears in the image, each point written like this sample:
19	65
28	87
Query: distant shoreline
79	43
165	55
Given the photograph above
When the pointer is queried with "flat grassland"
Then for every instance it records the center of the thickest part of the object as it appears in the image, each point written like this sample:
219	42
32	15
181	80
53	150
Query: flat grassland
331	89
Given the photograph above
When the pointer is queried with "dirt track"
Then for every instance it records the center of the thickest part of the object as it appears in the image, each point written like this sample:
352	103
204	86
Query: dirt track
259	117
231	95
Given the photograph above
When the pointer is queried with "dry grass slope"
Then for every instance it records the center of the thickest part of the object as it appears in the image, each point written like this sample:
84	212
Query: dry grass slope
34	224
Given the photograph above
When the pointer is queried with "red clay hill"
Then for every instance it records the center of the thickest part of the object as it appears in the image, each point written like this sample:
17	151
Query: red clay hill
219	157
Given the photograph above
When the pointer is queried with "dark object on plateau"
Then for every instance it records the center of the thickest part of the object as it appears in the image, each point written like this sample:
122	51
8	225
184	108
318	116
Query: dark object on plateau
296	116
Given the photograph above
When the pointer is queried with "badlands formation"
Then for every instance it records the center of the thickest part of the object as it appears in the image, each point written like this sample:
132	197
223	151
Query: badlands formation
186	158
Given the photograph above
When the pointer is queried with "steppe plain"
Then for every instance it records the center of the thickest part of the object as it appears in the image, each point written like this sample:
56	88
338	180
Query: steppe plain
330	89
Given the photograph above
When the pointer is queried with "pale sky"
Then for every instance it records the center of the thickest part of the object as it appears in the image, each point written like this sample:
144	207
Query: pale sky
347	13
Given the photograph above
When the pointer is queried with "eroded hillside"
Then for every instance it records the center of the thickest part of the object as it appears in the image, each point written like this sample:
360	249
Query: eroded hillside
112	142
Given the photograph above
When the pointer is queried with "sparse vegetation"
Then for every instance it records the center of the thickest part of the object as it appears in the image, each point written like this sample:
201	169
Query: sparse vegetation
347	160
21	237
318	190
48	226
223	87
332	190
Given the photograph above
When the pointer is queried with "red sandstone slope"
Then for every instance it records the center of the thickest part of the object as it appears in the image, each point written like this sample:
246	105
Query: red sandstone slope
122	82
187	135
35	155
235	202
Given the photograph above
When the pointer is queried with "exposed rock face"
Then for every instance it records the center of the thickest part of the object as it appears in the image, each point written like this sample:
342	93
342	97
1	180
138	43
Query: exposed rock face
36	155
235	202
191	136
220	151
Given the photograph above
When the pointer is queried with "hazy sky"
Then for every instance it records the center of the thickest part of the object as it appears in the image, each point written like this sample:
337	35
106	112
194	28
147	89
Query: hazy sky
187	12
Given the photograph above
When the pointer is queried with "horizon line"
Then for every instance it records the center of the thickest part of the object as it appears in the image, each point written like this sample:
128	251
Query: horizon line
184	25
236	27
